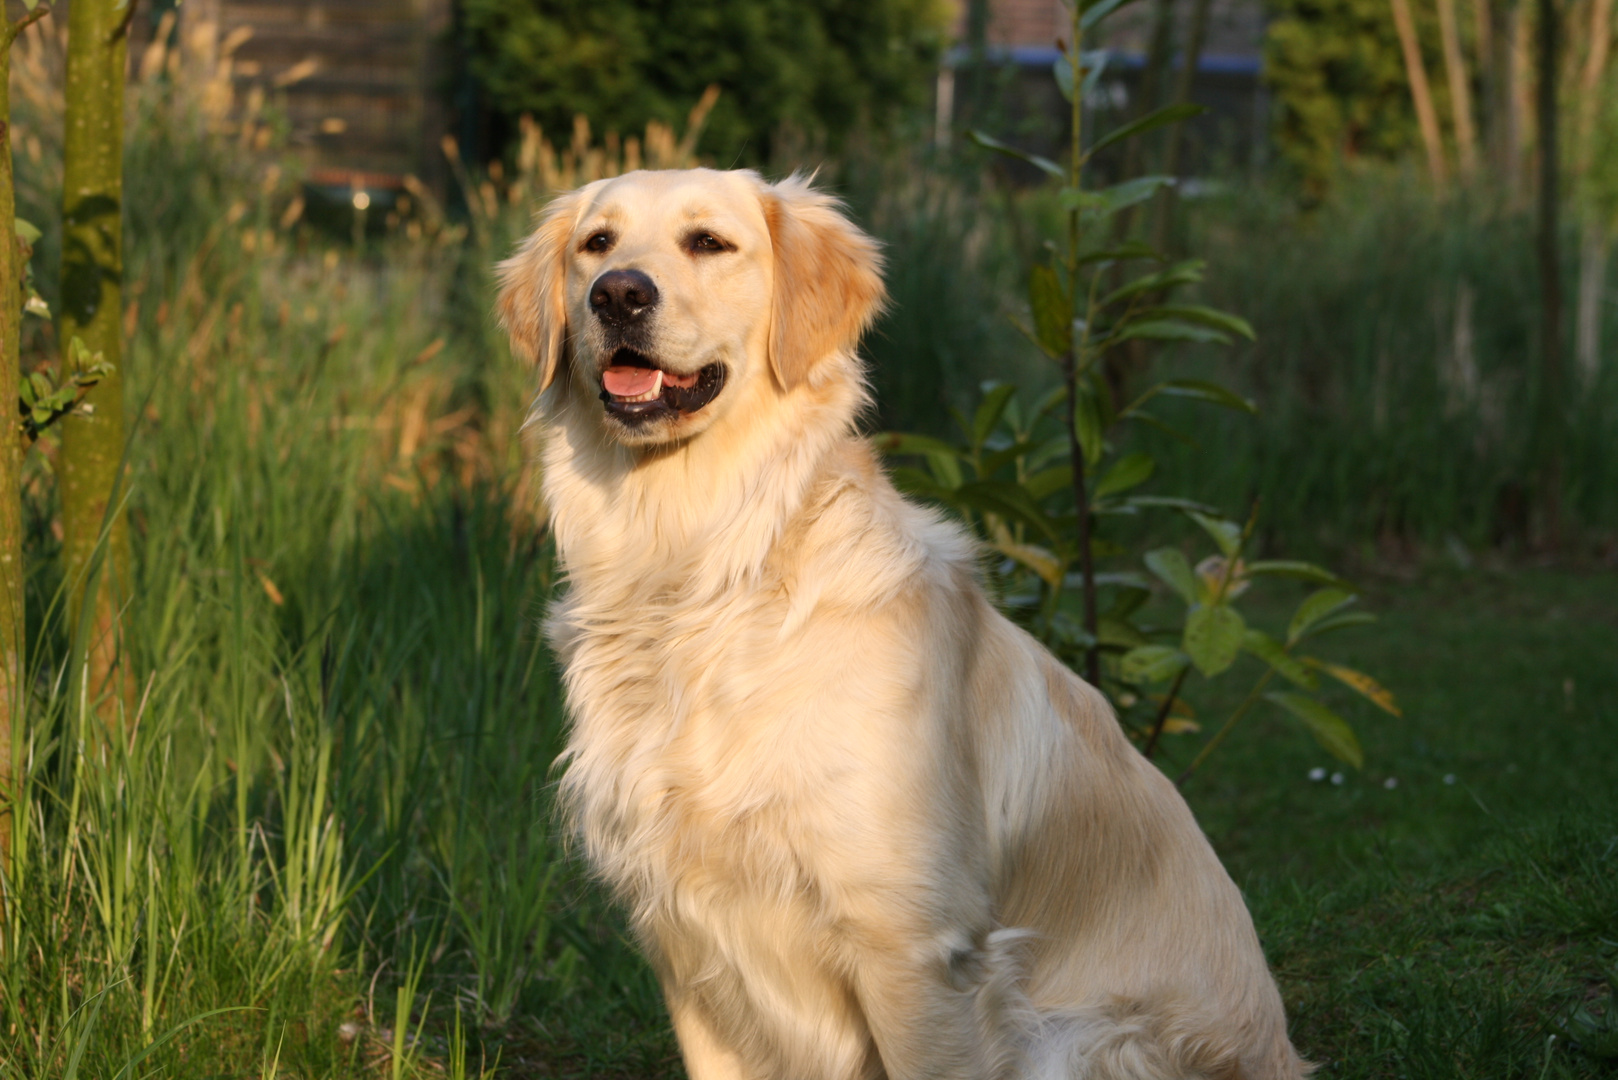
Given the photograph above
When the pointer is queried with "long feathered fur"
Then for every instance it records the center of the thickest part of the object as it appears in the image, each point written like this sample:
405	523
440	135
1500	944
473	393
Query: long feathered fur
863	825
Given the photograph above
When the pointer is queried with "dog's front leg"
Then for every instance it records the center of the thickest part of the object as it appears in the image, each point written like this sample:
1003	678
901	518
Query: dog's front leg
706	1056
940	1007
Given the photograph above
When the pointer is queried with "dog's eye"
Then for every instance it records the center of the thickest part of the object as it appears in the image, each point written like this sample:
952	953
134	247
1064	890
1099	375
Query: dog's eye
702	243
598	242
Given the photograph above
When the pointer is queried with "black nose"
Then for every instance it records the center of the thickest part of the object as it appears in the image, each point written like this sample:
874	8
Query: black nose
620	297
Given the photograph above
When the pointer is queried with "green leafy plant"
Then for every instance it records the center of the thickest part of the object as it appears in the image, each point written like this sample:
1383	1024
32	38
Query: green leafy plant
1039	486
42	401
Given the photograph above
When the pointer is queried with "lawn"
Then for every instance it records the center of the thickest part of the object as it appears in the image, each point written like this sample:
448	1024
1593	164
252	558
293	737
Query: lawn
1452	911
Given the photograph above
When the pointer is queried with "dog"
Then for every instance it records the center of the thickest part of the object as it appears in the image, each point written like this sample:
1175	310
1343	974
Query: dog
864	826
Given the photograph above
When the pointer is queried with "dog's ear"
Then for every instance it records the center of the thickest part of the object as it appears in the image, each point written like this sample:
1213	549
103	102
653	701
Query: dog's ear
828	279
533	303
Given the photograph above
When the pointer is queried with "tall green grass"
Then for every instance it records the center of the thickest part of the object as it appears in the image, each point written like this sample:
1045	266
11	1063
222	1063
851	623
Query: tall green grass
1397	370
324	845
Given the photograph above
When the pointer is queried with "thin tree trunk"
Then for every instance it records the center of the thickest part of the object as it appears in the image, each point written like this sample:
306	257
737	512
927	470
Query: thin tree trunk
1550	281
1522	110
1420	95
1593	255
13	631
1460	89
92	276
1594	243
1190	57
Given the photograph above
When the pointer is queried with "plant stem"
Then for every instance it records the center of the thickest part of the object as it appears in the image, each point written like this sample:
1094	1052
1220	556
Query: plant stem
1070	365
1219	736
1162	717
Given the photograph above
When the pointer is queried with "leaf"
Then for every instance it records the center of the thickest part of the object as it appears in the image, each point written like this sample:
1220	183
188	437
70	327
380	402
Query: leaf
1210	392
1213	318
1094	14
1008	501
1094	65
1087	425
1171	567
1185	272
1152	663
1226	533
28	232
1315	607
1340	621
1053	311
998	460
1330	730
899	442
916	482
1295	568
1129	471
1166	330
1042	485
1360	683
1111	630
1286	665
1170	502
1213	638
1168	114
1104	202
1045	165
1063	71
1120	254
989	412
1040	560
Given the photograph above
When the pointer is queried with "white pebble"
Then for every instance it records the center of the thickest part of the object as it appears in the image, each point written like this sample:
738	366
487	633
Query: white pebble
1391	782
1317	774
1449	778
1337	778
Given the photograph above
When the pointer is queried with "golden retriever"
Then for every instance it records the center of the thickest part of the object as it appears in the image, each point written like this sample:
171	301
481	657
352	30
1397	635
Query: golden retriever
864	826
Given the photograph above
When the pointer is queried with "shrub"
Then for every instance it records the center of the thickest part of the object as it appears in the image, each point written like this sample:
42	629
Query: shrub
823	67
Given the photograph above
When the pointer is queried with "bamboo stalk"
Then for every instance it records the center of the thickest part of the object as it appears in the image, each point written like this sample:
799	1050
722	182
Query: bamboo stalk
1460	89
1420	94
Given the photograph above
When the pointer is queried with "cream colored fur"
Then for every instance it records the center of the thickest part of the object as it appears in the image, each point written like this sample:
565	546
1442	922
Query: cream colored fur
864	826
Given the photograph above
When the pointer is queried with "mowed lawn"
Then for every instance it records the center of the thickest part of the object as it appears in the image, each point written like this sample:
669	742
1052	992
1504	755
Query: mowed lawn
1452	911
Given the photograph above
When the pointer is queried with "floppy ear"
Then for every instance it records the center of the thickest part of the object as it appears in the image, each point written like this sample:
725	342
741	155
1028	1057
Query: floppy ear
533	303
828	279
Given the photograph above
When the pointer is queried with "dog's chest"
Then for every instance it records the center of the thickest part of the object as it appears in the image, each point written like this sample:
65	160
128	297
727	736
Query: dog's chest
679	766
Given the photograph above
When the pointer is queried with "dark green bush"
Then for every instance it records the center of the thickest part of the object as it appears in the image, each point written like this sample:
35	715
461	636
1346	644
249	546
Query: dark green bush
819	67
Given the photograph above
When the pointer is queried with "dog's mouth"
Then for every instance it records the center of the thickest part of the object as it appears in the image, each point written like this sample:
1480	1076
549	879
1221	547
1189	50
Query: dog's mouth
636	390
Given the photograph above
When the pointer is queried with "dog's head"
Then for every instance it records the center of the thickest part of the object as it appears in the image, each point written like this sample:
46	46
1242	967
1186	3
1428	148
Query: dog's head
666	294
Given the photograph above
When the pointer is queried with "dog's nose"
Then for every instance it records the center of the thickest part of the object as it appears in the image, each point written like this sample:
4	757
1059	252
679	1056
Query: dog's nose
620	297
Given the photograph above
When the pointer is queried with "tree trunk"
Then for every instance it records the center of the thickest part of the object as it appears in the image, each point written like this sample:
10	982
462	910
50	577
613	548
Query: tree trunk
1460	89
1420	95
13	637
96	540
1550	281
1593	247
1593	255
1522	110
1190	57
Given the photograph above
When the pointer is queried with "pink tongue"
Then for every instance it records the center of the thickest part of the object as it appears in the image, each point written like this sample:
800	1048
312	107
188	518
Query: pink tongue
628	381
